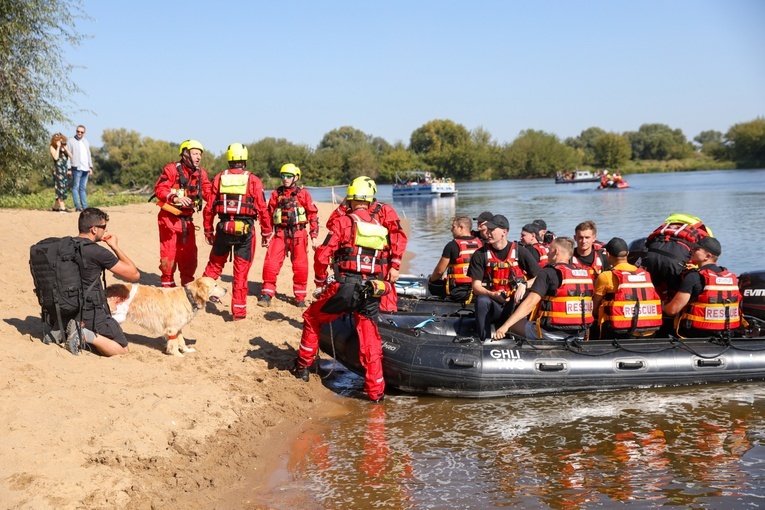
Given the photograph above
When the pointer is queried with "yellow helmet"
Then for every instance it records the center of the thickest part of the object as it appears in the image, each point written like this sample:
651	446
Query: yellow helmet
289	168
362	188
191	144
236	152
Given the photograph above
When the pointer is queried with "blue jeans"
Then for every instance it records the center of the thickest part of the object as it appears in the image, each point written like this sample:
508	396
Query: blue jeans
79	182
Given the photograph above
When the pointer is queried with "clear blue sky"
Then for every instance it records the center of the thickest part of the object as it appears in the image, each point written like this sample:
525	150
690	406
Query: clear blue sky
238	71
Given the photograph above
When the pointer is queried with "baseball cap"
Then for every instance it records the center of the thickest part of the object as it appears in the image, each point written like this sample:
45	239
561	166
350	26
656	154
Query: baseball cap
484	216
531	228
617	247
541	224
711	245
498	221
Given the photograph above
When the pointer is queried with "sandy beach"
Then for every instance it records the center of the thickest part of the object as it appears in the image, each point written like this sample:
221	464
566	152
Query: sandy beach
145	430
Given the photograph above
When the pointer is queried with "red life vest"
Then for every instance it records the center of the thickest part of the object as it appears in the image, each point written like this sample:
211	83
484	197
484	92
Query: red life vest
597	261
543	250
717	308
232	200
571	306
501	274
289	212
687	233
634	292
368	250
457	271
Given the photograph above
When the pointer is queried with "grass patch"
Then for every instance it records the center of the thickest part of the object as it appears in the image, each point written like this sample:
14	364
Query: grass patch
44	200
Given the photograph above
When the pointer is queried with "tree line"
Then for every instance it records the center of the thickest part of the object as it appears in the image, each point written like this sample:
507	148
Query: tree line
446	149
34	92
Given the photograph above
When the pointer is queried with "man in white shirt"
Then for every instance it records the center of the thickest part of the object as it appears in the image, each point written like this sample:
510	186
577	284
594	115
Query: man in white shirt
81	165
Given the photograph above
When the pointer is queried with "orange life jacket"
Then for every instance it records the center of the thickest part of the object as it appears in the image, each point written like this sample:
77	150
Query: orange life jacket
457	271
687	233
501	274
634	293
543	250
717	308
571	306
597	261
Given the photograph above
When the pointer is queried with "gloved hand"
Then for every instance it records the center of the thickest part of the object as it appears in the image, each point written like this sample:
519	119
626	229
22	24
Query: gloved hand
210	238
317	292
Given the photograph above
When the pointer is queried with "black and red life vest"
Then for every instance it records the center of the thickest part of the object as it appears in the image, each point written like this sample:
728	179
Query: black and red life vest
685	229
597	261
635	307
543	250
502	274
368	250
571	306
233	200
457	271
289	213
718	306
190	187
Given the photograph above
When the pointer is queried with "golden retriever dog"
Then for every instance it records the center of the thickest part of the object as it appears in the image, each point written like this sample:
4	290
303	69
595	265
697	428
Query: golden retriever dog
163	311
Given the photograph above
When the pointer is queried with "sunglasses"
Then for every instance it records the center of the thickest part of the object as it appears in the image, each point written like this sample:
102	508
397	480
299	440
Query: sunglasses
288	176
80	132
100	226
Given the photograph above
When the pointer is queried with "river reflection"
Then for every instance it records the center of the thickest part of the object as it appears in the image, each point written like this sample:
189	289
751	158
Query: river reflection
693	447
680	447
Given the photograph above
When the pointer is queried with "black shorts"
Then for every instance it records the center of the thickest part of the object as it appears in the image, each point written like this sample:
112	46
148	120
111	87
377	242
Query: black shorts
102	324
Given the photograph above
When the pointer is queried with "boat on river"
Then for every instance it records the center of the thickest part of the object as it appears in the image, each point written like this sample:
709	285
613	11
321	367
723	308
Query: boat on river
614	184
439	353
423	184
577	176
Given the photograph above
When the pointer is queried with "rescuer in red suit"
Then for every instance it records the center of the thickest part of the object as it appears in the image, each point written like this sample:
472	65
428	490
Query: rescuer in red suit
356	245
388	217
295	218
180	189
237	200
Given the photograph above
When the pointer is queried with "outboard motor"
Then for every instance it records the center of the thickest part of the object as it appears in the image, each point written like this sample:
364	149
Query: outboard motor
412	286
752	287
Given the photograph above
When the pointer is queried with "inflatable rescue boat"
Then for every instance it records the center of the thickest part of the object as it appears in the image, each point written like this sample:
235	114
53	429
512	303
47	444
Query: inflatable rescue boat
440	354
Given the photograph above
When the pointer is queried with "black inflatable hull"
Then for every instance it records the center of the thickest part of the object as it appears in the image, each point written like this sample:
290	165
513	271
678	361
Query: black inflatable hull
439	356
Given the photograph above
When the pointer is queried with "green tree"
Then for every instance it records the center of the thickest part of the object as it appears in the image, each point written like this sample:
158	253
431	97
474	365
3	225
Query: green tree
398	161
747	143
442	146
34	83
710	143
538	154
267	156
659	141
612	150
585	143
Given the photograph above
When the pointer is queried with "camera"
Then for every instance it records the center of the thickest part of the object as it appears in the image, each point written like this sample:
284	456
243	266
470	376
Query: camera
549	237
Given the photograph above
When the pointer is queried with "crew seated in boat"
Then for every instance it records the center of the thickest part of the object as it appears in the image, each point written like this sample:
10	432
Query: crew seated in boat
500	272
450	276
559	301
708	300
532	241
625	302
589	253
480	232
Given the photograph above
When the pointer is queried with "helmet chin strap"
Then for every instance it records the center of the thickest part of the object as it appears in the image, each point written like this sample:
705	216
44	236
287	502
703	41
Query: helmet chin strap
186	158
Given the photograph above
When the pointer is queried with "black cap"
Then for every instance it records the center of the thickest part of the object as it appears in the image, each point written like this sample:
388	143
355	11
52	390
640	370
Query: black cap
498	221
531	228
711	245
617	247
484	216
541	224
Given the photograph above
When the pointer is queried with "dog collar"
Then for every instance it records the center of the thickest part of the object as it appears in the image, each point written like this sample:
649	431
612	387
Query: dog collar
190	296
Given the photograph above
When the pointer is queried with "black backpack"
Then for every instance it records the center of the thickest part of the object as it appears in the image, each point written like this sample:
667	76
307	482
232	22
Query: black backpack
57	266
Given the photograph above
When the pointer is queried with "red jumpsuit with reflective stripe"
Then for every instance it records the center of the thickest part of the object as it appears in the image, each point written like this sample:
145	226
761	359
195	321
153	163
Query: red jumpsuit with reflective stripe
177	236
243	246
341	236
290	237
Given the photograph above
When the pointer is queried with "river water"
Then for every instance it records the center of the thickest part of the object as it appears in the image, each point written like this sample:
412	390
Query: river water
694	447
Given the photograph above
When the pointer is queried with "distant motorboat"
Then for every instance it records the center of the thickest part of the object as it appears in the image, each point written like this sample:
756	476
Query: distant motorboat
576	176
617	184
422	184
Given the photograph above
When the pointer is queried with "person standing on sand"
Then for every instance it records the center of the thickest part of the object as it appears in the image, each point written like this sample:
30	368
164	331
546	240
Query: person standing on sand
81	165
61	173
